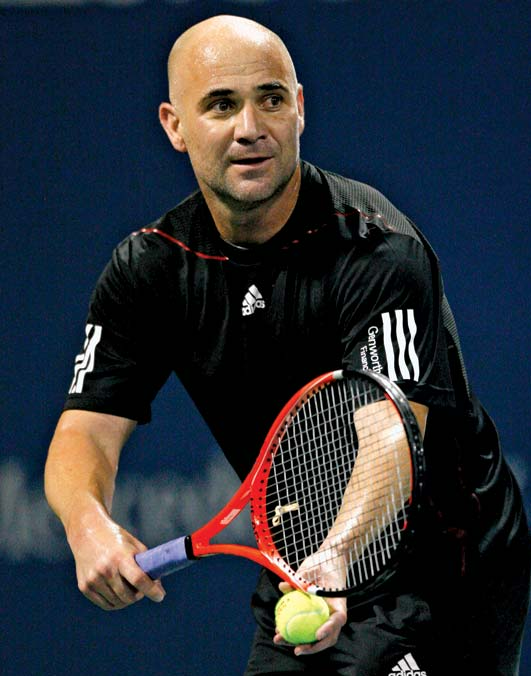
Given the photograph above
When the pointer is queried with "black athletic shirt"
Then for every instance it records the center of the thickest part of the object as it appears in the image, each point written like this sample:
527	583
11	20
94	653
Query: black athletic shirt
349	282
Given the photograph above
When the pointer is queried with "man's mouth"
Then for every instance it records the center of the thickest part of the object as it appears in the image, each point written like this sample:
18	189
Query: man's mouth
250	161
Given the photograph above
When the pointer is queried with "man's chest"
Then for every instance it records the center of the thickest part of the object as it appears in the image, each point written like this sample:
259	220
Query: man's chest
273	310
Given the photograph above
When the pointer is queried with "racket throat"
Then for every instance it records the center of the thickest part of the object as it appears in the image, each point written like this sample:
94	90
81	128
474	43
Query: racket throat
189	548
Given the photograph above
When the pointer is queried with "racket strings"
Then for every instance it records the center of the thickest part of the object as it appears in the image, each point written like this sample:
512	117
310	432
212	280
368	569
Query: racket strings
307	500
305	453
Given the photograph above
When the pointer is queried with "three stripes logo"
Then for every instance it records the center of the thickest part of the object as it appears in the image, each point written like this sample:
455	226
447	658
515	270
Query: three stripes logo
394	339
407	666
401	351
253	300
84	362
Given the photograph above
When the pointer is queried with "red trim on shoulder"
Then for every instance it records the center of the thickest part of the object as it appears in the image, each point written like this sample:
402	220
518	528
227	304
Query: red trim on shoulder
366	216
156	231
311	231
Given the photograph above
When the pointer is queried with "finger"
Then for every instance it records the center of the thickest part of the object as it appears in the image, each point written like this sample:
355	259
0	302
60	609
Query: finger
122	592
327	641
108	589
285	587
327	635
278	639
313	648
101	593
99	600
141	582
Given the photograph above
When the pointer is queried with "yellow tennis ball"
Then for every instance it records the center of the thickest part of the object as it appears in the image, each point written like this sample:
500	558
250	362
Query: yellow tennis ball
298	615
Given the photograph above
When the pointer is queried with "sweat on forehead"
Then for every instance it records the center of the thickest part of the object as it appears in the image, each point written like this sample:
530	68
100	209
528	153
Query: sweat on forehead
213	40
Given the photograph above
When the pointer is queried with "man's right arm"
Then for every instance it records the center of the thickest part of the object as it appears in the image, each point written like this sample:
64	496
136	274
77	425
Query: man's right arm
79	482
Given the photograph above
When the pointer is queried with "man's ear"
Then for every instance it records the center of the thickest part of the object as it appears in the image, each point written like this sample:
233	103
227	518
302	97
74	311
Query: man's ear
300	108
170	121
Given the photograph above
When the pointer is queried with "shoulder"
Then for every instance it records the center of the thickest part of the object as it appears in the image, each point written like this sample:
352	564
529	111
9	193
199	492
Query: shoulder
386	263
378	241
363	207
348	194
182	233
369	224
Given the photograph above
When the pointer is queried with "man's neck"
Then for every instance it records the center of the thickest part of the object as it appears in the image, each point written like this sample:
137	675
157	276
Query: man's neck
256	225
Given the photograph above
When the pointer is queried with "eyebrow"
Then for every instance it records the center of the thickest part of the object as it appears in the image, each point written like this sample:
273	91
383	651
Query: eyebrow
265	87
271	86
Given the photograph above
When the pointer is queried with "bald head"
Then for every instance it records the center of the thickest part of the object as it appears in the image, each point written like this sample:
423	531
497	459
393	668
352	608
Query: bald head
237	110
216	42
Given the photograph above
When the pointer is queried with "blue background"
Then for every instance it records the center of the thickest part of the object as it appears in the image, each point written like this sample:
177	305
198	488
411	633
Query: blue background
429	101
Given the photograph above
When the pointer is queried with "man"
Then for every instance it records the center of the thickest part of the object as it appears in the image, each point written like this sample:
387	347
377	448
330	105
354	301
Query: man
275	272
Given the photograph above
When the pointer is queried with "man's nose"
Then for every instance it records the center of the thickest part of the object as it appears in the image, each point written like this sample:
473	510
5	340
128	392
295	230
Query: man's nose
249	125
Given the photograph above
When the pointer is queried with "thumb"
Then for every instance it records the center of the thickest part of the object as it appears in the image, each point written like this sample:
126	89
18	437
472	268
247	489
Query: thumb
285	587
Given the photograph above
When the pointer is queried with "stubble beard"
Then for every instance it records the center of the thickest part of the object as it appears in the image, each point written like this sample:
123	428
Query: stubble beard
239	199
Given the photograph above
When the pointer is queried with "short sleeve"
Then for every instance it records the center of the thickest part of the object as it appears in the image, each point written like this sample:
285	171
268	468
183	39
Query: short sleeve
120	367
391	321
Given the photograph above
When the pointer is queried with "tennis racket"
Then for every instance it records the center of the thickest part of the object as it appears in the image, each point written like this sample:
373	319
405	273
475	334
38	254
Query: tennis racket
334	493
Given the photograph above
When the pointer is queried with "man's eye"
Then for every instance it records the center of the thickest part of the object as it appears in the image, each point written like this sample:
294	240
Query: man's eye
274	100
222	106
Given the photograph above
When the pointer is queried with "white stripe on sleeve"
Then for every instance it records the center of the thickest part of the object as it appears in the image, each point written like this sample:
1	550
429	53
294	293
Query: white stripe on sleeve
401	338
388	345
85	361
413	357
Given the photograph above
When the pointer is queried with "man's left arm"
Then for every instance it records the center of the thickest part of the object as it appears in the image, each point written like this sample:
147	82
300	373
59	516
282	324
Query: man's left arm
352	521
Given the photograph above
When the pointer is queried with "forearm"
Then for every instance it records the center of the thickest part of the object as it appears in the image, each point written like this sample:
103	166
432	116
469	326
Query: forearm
381	479
79	483
367	506
376	492
82	464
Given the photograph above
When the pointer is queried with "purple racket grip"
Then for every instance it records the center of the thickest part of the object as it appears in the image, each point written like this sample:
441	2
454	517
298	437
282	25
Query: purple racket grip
165	559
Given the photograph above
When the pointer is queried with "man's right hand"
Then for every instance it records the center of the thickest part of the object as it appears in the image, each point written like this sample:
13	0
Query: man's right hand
107	573
79	482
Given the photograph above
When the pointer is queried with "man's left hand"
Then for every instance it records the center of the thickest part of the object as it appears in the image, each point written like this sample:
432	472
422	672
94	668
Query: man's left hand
327	634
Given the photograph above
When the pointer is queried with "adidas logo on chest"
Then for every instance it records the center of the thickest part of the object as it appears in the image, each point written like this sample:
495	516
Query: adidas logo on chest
407	666
252	301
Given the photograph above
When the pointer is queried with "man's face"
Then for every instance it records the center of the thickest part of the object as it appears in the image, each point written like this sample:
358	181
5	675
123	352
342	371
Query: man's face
240	115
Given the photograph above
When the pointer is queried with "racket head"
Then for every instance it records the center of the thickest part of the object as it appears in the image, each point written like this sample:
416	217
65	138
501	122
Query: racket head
314	474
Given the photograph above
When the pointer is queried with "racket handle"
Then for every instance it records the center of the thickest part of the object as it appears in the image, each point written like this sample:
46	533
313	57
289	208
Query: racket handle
166	558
